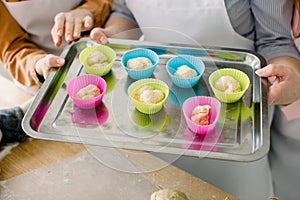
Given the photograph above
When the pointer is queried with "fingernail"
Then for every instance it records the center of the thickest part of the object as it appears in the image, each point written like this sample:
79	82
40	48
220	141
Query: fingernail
60	61
87	24
259	71
69	38
59	32
76	34
103	39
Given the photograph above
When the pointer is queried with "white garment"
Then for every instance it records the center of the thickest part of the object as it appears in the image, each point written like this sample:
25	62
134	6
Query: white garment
204	22
171	22
37	18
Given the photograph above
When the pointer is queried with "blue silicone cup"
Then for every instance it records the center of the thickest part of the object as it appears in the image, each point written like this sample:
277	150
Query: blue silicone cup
191	61
140	52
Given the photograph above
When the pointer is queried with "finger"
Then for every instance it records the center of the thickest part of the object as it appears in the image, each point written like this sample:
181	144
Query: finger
278	95
54	61
58	29
77	28
57	40
271	70
87	23
69	28
98	36
296	24
273	95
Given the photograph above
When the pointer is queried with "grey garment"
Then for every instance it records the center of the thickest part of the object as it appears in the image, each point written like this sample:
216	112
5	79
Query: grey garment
284	158
247	181
267	22
120	9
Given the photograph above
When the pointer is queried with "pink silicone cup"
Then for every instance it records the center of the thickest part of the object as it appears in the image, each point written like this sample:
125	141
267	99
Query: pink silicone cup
191	103
82	81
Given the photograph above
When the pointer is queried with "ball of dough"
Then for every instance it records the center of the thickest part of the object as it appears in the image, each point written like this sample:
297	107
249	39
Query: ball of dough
96	57
151	96
88	92
139	63
185	71
168	194
148	94
200	115
227	84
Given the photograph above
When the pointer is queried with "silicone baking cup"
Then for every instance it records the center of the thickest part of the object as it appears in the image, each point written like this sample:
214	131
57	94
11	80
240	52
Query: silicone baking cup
100	71
191	103
82	81
148	108
140	52
238	75
192	62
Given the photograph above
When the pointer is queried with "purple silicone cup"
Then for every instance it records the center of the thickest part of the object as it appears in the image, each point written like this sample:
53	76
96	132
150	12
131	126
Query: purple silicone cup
191	103
82	81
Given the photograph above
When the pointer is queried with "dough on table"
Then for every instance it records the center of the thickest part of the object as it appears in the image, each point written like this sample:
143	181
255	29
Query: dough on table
200	115
139	63
227	84
148	94
185	71
168	194
88	92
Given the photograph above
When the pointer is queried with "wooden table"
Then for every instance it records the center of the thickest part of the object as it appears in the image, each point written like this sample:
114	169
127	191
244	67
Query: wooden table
34	153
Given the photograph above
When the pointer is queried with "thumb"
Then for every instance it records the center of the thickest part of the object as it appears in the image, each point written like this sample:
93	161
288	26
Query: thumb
44	65
271	70
54	61
97	34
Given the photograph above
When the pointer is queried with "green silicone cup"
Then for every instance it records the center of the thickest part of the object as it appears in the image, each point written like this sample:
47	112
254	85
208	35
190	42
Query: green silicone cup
238	75
100	71
147	108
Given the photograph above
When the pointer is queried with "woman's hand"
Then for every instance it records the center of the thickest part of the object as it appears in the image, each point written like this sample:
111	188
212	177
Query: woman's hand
285	87
70	25
45	64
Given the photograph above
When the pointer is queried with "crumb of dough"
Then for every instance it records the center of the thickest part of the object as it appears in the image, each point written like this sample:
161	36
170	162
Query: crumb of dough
139	63
227	84
185	71
168	194
273	198
200	115
96	57
148	94
88	92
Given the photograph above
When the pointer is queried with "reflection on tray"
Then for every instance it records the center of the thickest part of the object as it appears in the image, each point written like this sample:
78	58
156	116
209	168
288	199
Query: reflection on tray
204	142
88	118
155	121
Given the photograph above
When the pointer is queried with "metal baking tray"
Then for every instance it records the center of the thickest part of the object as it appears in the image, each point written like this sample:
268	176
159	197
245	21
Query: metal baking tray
242	132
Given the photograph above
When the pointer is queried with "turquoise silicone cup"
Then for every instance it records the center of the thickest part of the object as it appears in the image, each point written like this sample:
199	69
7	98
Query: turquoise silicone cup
191	61
147	108
191	103
140	52
238	75
100	71
82	81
